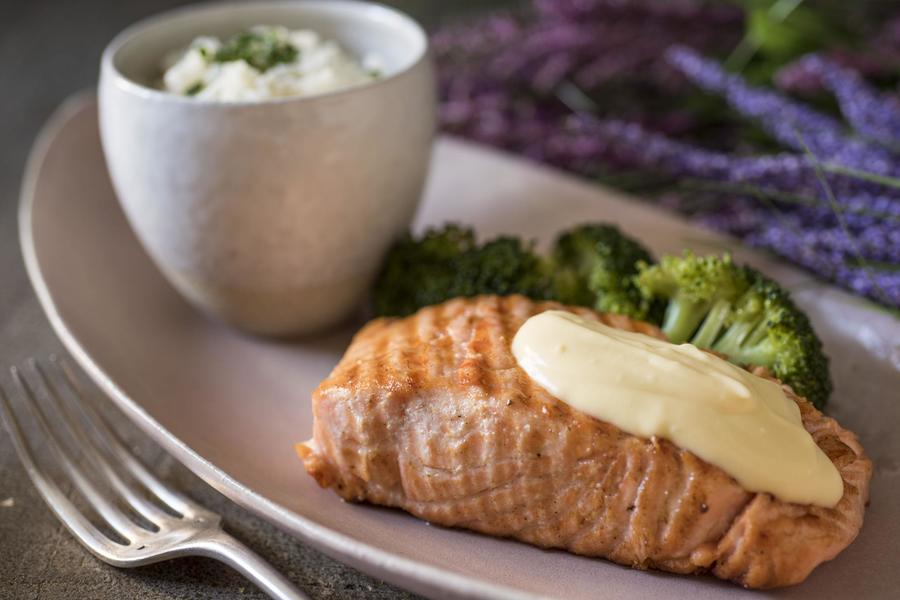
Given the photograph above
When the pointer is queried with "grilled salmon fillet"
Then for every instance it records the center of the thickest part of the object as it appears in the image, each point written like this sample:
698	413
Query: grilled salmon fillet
432	414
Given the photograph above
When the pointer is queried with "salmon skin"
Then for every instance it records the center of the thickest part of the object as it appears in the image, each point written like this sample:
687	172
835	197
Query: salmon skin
431	414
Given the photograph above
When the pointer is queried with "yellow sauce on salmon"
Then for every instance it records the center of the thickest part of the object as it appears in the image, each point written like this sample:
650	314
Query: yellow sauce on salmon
744	424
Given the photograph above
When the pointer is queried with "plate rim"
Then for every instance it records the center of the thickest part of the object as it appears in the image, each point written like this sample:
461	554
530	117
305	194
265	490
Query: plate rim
402	571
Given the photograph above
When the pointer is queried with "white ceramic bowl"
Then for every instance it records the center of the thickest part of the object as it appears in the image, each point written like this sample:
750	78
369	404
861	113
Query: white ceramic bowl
272	215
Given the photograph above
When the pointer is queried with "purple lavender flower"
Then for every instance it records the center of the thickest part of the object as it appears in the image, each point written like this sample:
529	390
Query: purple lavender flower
829	252
628	144
631	146
814	236
825	250
791	123
594	43
507	81
874	115
878	58
811	235
676	14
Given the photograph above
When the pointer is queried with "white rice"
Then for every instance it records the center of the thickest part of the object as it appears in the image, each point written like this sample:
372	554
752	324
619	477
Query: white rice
321	66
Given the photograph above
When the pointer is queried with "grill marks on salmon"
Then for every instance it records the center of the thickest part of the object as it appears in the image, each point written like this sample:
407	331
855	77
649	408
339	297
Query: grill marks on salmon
431	414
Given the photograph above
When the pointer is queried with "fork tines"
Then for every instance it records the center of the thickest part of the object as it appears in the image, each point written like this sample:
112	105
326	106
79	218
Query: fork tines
106	455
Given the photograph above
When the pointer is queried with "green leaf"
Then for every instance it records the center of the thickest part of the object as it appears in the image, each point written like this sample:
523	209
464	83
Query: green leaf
801	31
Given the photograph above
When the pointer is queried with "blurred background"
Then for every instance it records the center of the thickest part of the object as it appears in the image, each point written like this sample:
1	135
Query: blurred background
776	121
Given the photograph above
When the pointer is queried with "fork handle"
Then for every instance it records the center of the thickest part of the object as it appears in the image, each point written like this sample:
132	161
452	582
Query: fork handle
229	550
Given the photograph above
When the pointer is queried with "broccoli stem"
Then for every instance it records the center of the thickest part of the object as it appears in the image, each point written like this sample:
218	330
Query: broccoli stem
760	354
712	324
682	318
758	335
732	342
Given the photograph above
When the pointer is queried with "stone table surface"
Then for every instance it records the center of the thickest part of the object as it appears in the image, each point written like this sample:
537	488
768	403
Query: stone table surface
50	50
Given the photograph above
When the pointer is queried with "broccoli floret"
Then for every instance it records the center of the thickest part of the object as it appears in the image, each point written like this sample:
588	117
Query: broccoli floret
591	265
447	263
419	272
738	312
768	329
595	266
697	288
502	266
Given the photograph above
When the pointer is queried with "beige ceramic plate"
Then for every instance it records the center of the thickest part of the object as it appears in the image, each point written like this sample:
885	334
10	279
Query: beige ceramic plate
231	407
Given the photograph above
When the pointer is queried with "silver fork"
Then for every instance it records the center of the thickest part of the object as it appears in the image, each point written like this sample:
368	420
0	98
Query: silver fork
195	531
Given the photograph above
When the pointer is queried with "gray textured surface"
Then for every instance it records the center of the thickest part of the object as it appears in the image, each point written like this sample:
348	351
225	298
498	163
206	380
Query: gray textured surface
49	50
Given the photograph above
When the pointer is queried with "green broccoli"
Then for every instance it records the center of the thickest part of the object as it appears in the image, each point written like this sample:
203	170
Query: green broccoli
591	265
736	311
707	301
601	263
447	263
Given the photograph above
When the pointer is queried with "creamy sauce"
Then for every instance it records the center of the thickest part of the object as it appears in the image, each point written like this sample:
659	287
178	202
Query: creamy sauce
742	423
